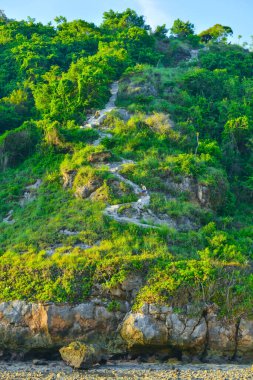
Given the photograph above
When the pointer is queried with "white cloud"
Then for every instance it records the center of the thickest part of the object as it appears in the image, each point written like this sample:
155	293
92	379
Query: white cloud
153	12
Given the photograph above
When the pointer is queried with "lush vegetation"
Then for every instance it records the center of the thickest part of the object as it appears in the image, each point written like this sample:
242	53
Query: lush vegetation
189	134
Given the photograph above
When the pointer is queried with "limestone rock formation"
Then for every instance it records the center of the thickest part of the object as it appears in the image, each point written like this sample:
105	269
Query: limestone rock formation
86	190
143	330
221	336
192	333
27	326
68	178
186	332
245	339
79	355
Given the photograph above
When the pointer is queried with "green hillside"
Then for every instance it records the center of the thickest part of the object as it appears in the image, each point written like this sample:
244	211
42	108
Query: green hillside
74	211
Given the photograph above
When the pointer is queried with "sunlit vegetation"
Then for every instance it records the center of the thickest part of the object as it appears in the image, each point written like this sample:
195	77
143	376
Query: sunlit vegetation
188	134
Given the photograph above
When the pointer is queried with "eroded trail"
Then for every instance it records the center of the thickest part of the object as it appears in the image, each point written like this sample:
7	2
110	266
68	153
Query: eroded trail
137	212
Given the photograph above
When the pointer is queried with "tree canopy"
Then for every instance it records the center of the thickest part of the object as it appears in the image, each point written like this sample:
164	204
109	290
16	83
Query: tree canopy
182	29
217	33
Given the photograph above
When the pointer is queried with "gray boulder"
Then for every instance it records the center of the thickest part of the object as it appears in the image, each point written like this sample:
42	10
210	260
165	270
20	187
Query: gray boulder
143	330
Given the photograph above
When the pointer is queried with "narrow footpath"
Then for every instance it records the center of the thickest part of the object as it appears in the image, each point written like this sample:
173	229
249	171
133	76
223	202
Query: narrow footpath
141	215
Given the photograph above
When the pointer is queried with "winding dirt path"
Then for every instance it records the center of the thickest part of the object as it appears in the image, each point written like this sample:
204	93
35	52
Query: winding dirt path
141	215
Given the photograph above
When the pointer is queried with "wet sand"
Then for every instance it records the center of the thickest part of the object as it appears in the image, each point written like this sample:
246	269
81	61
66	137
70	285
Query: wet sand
124	371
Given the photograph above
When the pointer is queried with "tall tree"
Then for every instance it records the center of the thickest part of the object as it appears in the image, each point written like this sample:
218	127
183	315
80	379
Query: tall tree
217	33
182	29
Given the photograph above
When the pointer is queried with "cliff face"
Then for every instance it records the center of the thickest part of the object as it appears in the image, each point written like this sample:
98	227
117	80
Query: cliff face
26	328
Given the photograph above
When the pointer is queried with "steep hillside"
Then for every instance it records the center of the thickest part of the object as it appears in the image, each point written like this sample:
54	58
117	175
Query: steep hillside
126	177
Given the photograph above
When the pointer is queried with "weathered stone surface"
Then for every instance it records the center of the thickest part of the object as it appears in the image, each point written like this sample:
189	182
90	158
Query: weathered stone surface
14	312
68	178
124	114
182	184
25	327
99	156
102	314
9	218
22	327
203	195
245	339
166	309
60	319
221	336
131	285
154	309
84	310
208	196
79	355
187	333
86	190
143	330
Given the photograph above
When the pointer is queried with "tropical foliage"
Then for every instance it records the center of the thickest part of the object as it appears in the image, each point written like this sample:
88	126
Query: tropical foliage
189	133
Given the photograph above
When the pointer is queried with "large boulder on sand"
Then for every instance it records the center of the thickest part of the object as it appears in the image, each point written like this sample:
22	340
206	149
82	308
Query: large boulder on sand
79	355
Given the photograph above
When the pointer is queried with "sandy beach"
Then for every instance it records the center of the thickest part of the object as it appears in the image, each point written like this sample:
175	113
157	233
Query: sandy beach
124	371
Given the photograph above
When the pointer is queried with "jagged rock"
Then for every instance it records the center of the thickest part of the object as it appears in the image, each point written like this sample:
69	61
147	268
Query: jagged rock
84	311
143	330
79	355
100	194
102	315
166	309
116	292
68	178
194	54
123	114
9	218
245	340
154	309
25	327
26	198
187	333
29	194
203	195
221	336
13	312
86	190
117	187
99	156
131	285
182	184
35	185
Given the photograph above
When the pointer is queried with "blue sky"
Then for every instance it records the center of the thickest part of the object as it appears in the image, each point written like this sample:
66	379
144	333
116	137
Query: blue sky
235	13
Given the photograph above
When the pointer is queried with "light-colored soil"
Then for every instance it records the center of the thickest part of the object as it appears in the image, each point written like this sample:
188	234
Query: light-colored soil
125	371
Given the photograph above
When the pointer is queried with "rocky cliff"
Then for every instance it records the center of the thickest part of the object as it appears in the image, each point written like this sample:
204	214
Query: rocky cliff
189	333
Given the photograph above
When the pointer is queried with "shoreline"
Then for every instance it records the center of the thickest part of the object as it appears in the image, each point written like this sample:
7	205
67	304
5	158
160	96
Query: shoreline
57	370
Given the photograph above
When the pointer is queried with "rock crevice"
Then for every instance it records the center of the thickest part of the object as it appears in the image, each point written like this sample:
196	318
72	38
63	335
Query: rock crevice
194	333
